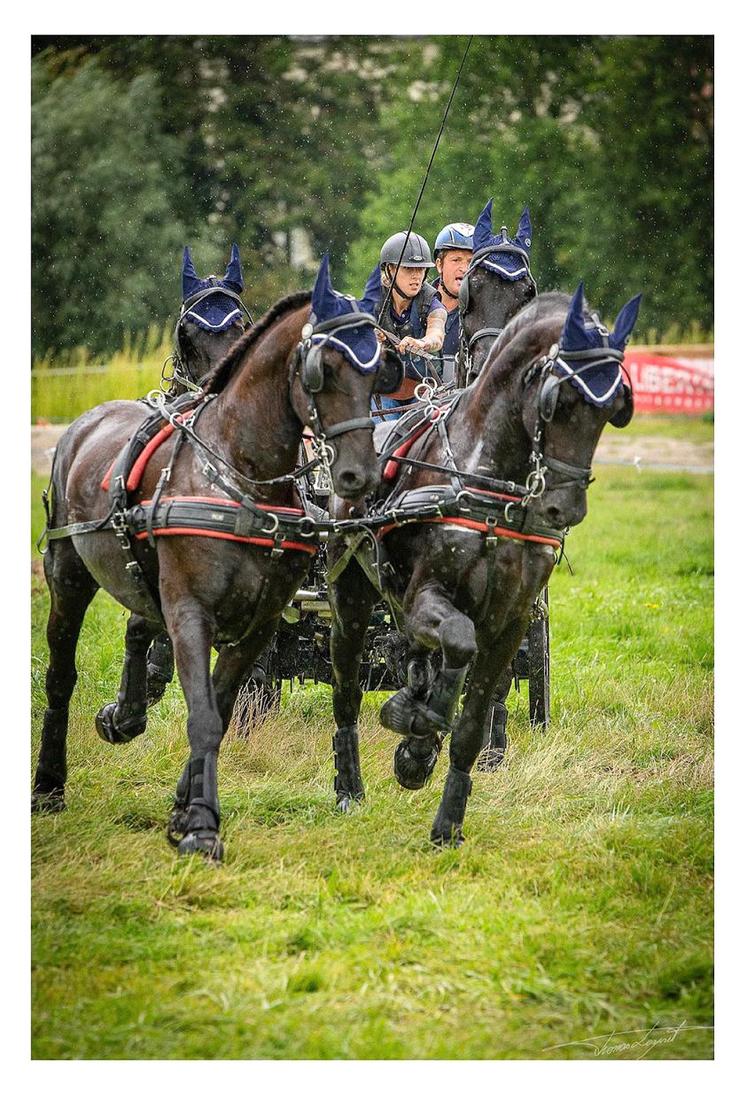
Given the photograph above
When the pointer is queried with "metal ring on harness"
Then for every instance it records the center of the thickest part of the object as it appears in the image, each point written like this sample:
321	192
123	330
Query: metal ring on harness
308	527
273	528
426	389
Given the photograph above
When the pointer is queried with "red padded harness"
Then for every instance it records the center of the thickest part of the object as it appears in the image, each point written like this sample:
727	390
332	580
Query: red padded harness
136	472
392	467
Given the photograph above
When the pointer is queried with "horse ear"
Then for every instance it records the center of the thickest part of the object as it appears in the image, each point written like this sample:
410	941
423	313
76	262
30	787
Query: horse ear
625	322
524	231
483	234
372	293
574	333
322	295
234	278
190	282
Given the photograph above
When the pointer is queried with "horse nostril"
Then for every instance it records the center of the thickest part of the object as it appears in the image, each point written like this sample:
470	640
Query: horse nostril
351	481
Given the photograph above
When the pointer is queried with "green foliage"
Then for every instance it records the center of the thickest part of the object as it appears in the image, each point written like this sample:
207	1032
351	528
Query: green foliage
580	905
105	241
294	145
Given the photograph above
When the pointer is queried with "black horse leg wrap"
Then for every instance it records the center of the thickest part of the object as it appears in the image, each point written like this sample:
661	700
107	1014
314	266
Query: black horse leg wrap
347	762
161	659
446	691
204	809
448	822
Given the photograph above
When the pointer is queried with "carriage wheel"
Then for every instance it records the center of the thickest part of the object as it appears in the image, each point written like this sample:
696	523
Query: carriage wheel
539	663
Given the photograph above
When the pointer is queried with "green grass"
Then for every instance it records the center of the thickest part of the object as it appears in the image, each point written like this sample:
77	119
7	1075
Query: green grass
692	428
581	904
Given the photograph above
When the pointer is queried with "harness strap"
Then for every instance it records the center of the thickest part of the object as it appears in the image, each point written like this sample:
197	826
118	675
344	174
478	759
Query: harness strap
223	519
489	529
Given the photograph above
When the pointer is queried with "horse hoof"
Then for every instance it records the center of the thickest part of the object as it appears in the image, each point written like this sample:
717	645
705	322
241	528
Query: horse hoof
47	802
397	713
344	804
490	759
115	735
205	842
451	837
411	769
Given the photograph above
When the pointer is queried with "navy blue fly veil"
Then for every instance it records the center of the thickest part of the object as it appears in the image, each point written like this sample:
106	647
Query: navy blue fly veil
354	338
202	300
507	256
589	355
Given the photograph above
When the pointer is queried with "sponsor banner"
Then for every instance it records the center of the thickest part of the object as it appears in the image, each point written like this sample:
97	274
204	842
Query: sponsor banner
670	385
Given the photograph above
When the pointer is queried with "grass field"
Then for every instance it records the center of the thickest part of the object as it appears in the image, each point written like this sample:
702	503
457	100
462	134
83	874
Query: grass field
579	909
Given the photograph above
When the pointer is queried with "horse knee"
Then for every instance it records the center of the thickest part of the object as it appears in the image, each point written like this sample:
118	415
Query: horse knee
457	638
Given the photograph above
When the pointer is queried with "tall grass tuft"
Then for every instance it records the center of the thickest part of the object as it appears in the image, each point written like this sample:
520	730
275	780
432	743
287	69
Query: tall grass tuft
66	385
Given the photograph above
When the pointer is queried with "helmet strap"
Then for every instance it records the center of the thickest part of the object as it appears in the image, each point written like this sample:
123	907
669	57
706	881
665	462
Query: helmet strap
442	289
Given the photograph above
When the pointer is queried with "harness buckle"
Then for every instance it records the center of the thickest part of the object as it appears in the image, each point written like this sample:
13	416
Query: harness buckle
306	527
491	537
273	528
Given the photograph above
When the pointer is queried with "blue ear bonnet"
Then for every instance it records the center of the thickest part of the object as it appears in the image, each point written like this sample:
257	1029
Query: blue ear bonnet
359	344
216	311
585	341
510	262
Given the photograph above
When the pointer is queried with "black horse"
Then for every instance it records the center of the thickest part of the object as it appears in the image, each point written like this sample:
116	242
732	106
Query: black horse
461	547
211	318
208	539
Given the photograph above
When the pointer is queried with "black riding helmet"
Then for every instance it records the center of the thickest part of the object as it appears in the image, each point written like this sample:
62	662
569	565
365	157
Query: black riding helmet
416	253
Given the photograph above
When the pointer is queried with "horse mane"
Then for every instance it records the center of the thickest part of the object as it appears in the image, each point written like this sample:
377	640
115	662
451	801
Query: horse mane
218	377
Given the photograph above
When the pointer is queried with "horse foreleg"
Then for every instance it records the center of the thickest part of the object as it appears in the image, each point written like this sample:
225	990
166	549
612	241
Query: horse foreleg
432	621
352	598
126	718
72	589
492	660
192	637
228	675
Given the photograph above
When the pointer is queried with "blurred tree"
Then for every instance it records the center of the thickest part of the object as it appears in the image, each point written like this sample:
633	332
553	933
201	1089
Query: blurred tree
295	145
105	239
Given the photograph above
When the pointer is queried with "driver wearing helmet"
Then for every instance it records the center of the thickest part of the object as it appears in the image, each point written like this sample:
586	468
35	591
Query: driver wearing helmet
453	254
414	315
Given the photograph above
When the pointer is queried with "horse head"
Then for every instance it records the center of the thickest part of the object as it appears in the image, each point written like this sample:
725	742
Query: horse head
211	318
336	367
498	283
570	394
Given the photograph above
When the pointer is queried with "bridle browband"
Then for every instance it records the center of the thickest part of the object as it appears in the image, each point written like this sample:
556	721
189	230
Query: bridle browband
547	399
308	365
478	259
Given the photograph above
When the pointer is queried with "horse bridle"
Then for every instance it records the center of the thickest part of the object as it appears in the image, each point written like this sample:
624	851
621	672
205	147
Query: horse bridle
547	400
308	365
181	372
478	259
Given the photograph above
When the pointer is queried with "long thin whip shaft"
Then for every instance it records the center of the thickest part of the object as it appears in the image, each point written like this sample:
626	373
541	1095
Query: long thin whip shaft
425	180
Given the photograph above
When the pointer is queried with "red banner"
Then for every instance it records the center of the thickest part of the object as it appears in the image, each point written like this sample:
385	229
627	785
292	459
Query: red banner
679	385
